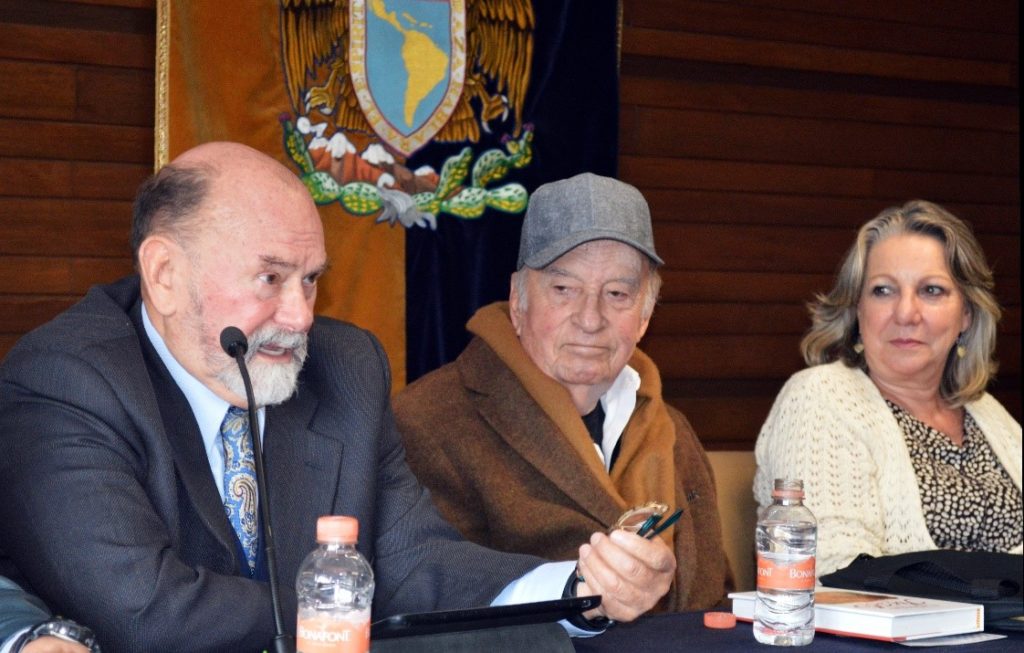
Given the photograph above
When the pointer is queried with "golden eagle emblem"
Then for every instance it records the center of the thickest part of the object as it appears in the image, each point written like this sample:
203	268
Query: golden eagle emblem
372	81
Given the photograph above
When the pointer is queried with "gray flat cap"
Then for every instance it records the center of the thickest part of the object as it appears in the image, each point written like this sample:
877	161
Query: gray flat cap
567	213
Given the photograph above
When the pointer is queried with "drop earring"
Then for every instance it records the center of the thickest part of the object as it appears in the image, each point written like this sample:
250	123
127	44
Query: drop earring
961	351
858	346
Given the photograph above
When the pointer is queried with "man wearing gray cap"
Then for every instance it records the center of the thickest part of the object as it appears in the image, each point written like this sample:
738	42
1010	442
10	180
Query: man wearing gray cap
551	423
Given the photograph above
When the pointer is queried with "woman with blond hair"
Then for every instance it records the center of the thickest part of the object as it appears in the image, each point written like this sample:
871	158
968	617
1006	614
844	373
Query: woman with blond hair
890	427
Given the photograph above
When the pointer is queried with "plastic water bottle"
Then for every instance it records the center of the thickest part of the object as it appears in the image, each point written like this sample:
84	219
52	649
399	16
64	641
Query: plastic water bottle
335	590
787	537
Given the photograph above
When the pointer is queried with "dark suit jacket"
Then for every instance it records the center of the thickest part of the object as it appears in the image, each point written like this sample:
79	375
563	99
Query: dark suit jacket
110	513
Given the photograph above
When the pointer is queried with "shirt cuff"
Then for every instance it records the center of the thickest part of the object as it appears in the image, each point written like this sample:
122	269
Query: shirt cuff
9	642
545	583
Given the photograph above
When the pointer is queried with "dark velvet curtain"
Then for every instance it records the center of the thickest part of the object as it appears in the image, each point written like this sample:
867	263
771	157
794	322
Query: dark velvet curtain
572	103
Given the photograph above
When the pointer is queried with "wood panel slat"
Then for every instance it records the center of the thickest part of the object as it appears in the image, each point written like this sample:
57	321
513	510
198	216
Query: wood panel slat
758	318
685	286
758	356
996	16
42	227
76	141
723	420
776	139
64	45
847	61
724	356
118	96
814	103
58	276
705	174
728	319
79	179
37	91
799	210
786	249
20	314
138	4
749	248
91	94
834	29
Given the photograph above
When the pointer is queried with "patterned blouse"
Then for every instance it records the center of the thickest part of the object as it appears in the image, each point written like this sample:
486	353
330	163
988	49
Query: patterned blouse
969	501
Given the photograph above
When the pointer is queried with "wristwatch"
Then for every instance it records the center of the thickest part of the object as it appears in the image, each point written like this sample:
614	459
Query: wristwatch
65	629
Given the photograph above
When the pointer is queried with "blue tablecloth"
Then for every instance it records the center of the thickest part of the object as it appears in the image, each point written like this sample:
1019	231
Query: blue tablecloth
686	632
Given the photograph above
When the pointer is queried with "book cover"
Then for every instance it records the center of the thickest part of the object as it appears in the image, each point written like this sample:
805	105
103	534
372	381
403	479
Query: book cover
886	617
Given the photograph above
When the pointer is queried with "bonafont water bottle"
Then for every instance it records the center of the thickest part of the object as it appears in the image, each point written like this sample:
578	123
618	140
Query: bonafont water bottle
335	589
787	537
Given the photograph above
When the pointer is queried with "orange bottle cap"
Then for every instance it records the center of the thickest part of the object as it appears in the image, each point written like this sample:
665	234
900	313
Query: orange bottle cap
337	529
719	620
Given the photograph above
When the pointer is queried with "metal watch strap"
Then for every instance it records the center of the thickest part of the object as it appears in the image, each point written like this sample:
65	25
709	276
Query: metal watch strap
65	629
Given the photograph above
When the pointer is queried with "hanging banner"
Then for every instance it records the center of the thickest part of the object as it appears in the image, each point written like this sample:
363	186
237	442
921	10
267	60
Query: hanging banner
418	126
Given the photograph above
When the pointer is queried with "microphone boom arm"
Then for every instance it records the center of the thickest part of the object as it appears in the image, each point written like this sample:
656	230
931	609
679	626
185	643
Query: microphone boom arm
235	345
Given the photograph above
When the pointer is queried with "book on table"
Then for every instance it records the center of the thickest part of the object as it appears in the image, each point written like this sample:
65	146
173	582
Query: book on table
886	617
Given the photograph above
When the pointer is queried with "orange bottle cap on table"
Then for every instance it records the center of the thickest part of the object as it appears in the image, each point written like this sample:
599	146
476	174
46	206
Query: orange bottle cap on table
719	620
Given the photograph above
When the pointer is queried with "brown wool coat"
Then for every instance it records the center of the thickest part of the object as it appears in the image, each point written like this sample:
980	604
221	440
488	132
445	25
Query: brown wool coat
509	462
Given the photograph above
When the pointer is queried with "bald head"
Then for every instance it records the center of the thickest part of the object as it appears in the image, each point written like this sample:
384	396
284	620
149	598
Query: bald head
201	183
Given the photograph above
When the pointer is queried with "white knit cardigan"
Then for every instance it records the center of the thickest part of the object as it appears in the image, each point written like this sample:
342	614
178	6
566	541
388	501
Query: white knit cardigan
831	428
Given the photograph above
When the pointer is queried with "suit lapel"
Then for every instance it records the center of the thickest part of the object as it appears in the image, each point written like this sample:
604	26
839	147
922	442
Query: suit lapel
302	467
503	402
190	460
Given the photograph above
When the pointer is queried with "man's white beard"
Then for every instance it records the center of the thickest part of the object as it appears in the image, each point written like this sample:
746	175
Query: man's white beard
272	383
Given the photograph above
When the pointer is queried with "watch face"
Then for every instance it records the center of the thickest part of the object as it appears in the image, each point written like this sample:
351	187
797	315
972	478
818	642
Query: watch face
67	630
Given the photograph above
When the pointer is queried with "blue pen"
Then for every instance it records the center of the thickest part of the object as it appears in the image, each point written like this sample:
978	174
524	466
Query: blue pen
673	518
648	523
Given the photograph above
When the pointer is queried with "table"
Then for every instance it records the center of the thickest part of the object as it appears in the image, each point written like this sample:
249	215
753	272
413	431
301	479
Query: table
686	632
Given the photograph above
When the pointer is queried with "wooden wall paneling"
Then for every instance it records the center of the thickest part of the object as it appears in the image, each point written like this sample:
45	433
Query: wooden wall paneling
996	16
62	227
714	206
831	26
798	56
76	119
81	179
728	318
745	356
120	96
65	276
778	139
21	314
649	172
751	248
76	46
680	285
36	90
75	141
835	104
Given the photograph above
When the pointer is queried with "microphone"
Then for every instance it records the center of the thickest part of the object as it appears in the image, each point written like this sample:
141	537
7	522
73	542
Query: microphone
235	344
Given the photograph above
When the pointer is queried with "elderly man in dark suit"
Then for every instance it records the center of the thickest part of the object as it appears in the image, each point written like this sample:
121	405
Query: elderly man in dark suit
128	500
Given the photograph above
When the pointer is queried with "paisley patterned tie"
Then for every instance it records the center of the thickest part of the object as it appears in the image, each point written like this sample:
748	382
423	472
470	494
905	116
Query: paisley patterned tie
240	480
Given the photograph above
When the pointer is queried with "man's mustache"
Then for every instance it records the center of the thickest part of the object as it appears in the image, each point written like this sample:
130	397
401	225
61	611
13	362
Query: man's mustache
295	341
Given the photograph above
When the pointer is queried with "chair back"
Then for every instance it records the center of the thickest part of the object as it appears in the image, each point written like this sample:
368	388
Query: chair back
734	482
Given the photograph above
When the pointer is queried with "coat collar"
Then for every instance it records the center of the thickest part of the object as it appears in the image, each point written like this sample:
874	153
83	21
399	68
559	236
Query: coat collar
534	414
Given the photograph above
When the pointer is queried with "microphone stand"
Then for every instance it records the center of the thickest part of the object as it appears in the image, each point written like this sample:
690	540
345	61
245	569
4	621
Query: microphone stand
282	642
